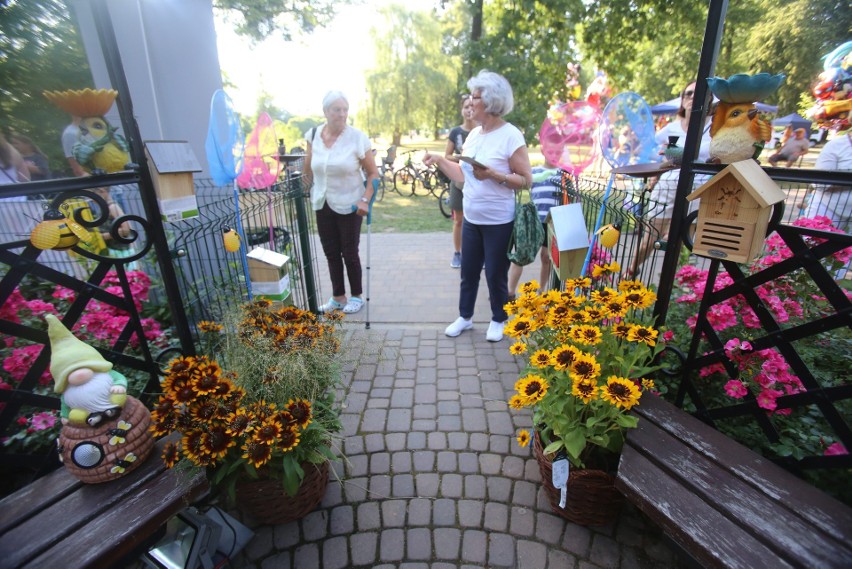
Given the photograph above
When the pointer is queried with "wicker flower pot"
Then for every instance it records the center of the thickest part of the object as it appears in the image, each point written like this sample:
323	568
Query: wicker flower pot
592	497
266	501
112	449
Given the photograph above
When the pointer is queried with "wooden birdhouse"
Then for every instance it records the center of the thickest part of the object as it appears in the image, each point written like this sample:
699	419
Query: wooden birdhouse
172	164
734	212
269	276
568	240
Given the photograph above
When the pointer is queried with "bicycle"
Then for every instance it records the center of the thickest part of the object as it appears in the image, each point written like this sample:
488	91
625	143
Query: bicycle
386	172
411	178
444	203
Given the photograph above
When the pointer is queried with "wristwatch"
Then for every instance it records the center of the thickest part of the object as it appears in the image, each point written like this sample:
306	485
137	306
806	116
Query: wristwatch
365	200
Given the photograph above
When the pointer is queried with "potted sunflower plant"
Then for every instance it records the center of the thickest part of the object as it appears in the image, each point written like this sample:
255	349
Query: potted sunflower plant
588	352
258	409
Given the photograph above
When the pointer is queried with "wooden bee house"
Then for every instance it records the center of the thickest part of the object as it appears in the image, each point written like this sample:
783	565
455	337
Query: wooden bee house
734	212
568	240
172	164
269	276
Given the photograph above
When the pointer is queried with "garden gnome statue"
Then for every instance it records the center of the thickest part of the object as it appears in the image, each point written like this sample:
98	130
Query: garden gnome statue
105	432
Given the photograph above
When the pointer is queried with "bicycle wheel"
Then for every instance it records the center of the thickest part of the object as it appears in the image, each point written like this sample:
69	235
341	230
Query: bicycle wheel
444	203
380	191
430	183
420	185
403	182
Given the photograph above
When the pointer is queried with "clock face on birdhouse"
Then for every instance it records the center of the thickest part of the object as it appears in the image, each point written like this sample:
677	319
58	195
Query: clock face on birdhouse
728	198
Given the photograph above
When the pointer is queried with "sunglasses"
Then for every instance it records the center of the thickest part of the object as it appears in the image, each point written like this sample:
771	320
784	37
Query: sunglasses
688	93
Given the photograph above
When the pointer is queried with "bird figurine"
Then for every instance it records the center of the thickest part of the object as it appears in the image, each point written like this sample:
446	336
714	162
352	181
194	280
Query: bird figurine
58	232
231	239
608	235
673	153
99	147
737	133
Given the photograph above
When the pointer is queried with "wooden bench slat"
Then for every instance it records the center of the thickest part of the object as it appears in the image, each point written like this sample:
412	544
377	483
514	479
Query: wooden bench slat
690	521
762	516
34	497
767	477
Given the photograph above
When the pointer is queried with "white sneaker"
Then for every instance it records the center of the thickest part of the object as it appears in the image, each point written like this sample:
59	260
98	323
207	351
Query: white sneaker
457	327
495	331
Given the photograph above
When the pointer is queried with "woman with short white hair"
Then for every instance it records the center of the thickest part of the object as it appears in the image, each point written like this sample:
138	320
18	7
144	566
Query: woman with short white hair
335	158
494	165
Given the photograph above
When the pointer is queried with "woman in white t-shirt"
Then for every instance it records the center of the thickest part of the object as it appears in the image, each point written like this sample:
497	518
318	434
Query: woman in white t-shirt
499	165
336	156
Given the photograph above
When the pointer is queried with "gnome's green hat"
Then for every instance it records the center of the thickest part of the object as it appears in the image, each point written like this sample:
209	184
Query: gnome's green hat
68	354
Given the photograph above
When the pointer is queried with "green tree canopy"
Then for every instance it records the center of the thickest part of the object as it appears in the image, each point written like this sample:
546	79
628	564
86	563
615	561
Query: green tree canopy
259	19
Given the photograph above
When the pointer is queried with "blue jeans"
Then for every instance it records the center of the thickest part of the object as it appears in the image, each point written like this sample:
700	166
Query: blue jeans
488	244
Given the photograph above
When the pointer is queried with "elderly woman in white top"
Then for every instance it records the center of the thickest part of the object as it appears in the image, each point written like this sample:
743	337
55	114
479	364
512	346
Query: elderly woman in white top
336	156
502	167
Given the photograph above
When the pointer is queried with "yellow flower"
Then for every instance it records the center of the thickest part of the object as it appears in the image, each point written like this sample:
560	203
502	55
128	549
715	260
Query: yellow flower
615	308
289	440
540	359
621	330
630	285
648	383
604	295
587	335
585	368
523	437
593	314
584	390
532	388
576	317
518	348
621	392
598	271
256	452
642	334
518	328
207	326
562	357
301	411
578	283
171	454
529	287
517	402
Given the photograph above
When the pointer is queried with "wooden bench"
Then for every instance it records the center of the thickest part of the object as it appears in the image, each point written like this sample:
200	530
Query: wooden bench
58	521
725	505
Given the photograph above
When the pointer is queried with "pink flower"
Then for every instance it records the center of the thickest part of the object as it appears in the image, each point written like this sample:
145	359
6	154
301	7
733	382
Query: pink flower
736	389
668	336
21	360
62	293
44	420
39	307
766	399
721	317
835	449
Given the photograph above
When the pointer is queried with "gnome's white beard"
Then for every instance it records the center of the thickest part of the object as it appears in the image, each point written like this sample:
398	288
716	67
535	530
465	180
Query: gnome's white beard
94	395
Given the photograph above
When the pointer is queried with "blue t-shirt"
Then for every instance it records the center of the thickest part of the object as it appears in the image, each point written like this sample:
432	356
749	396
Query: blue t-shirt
546	192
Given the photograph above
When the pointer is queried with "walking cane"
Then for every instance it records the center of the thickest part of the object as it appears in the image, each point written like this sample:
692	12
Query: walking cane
369	227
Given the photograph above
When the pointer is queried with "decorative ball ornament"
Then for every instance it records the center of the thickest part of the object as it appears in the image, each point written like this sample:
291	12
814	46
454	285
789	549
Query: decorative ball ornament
567	136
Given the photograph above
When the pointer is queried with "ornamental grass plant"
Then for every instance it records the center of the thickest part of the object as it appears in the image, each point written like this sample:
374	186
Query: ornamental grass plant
261	402
588	353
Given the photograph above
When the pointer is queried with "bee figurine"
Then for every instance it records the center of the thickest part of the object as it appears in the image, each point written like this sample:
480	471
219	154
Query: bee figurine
231	239
58	232
608	234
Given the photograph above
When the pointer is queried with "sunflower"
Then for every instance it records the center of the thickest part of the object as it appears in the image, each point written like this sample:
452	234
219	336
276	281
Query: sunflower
584	390
301	411
206	380
562	357
599	271
642	334
162	423
615	308
648	384
540	359
517	402
289	440
532	388
523	437
268	431
620	392
584	368
604	295
204	411
621	330
530	287
171	454
192	444
587	335
181	364
256	452
593	314
216	442
575	317
239	422
630	285
518	348
519	328
207	326
578	283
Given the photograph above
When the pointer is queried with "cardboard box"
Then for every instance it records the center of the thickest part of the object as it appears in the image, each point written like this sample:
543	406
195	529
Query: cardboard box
269	274
568	240
172	164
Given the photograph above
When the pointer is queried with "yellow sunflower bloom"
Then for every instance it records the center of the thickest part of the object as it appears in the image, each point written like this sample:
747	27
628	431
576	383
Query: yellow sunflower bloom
518	328
593	314
584	368
256	452
532	387
518	348
621	392
208	326
562	357
523	437
604	295
517	402
615	308
599	271
630	285
530	287
621	330
578	283
648	383
642	334
540	359
585	391
587	335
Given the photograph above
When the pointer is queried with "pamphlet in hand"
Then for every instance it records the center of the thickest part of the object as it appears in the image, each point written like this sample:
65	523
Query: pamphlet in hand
472	162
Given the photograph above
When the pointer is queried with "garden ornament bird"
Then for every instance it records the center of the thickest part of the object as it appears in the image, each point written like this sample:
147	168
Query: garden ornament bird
737	133
608	234
231	239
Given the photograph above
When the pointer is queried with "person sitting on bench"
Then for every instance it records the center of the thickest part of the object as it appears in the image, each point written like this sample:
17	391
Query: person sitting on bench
795	147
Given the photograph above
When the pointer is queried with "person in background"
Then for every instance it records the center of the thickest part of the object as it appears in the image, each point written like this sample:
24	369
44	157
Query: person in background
35	160
13	169
664	189
69	138
545	195
336	154
792	149
455	141
114	248
502	167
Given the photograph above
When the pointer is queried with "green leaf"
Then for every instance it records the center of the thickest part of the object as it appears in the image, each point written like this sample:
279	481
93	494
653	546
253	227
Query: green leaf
553	447
627	421
575	442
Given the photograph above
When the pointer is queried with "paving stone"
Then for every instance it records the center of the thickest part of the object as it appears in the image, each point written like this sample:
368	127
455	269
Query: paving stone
392	545
393	513
363	548
457	441
414	566
419	543
549	528
380	487
279	561
369	516
500	443
424	411
315	525
424	425
424	461
499	489
474	420
427	484
261	544
444	512
531	555
353	445
342	520
479	442
442	566
451	485
522	521
447	543
447	461
358	465
401	462
576	539
474	544
501	550
285	536
437	441
361	386
425	394
474	487
402	398
403	486
307	556
416	440
560	559
335	553
333	494
395	442
355	402
380	463
470	513
399	420
496	517
375	442
469	384
513	467
449	423
349	423
490	464
419	512
468	463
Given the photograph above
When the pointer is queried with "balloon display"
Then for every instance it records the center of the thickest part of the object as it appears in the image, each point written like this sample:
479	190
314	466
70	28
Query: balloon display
260	164
568	136
627	131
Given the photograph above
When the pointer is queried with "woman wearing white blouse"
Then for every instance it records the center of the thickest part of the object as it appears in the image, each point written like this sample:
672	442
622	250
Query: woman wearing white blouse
336	156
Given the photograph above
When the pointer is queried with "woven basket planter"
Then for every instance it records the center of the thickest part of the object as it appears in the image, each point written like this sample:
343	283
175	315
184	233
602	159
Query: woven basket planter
592	498
110	450
266	501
